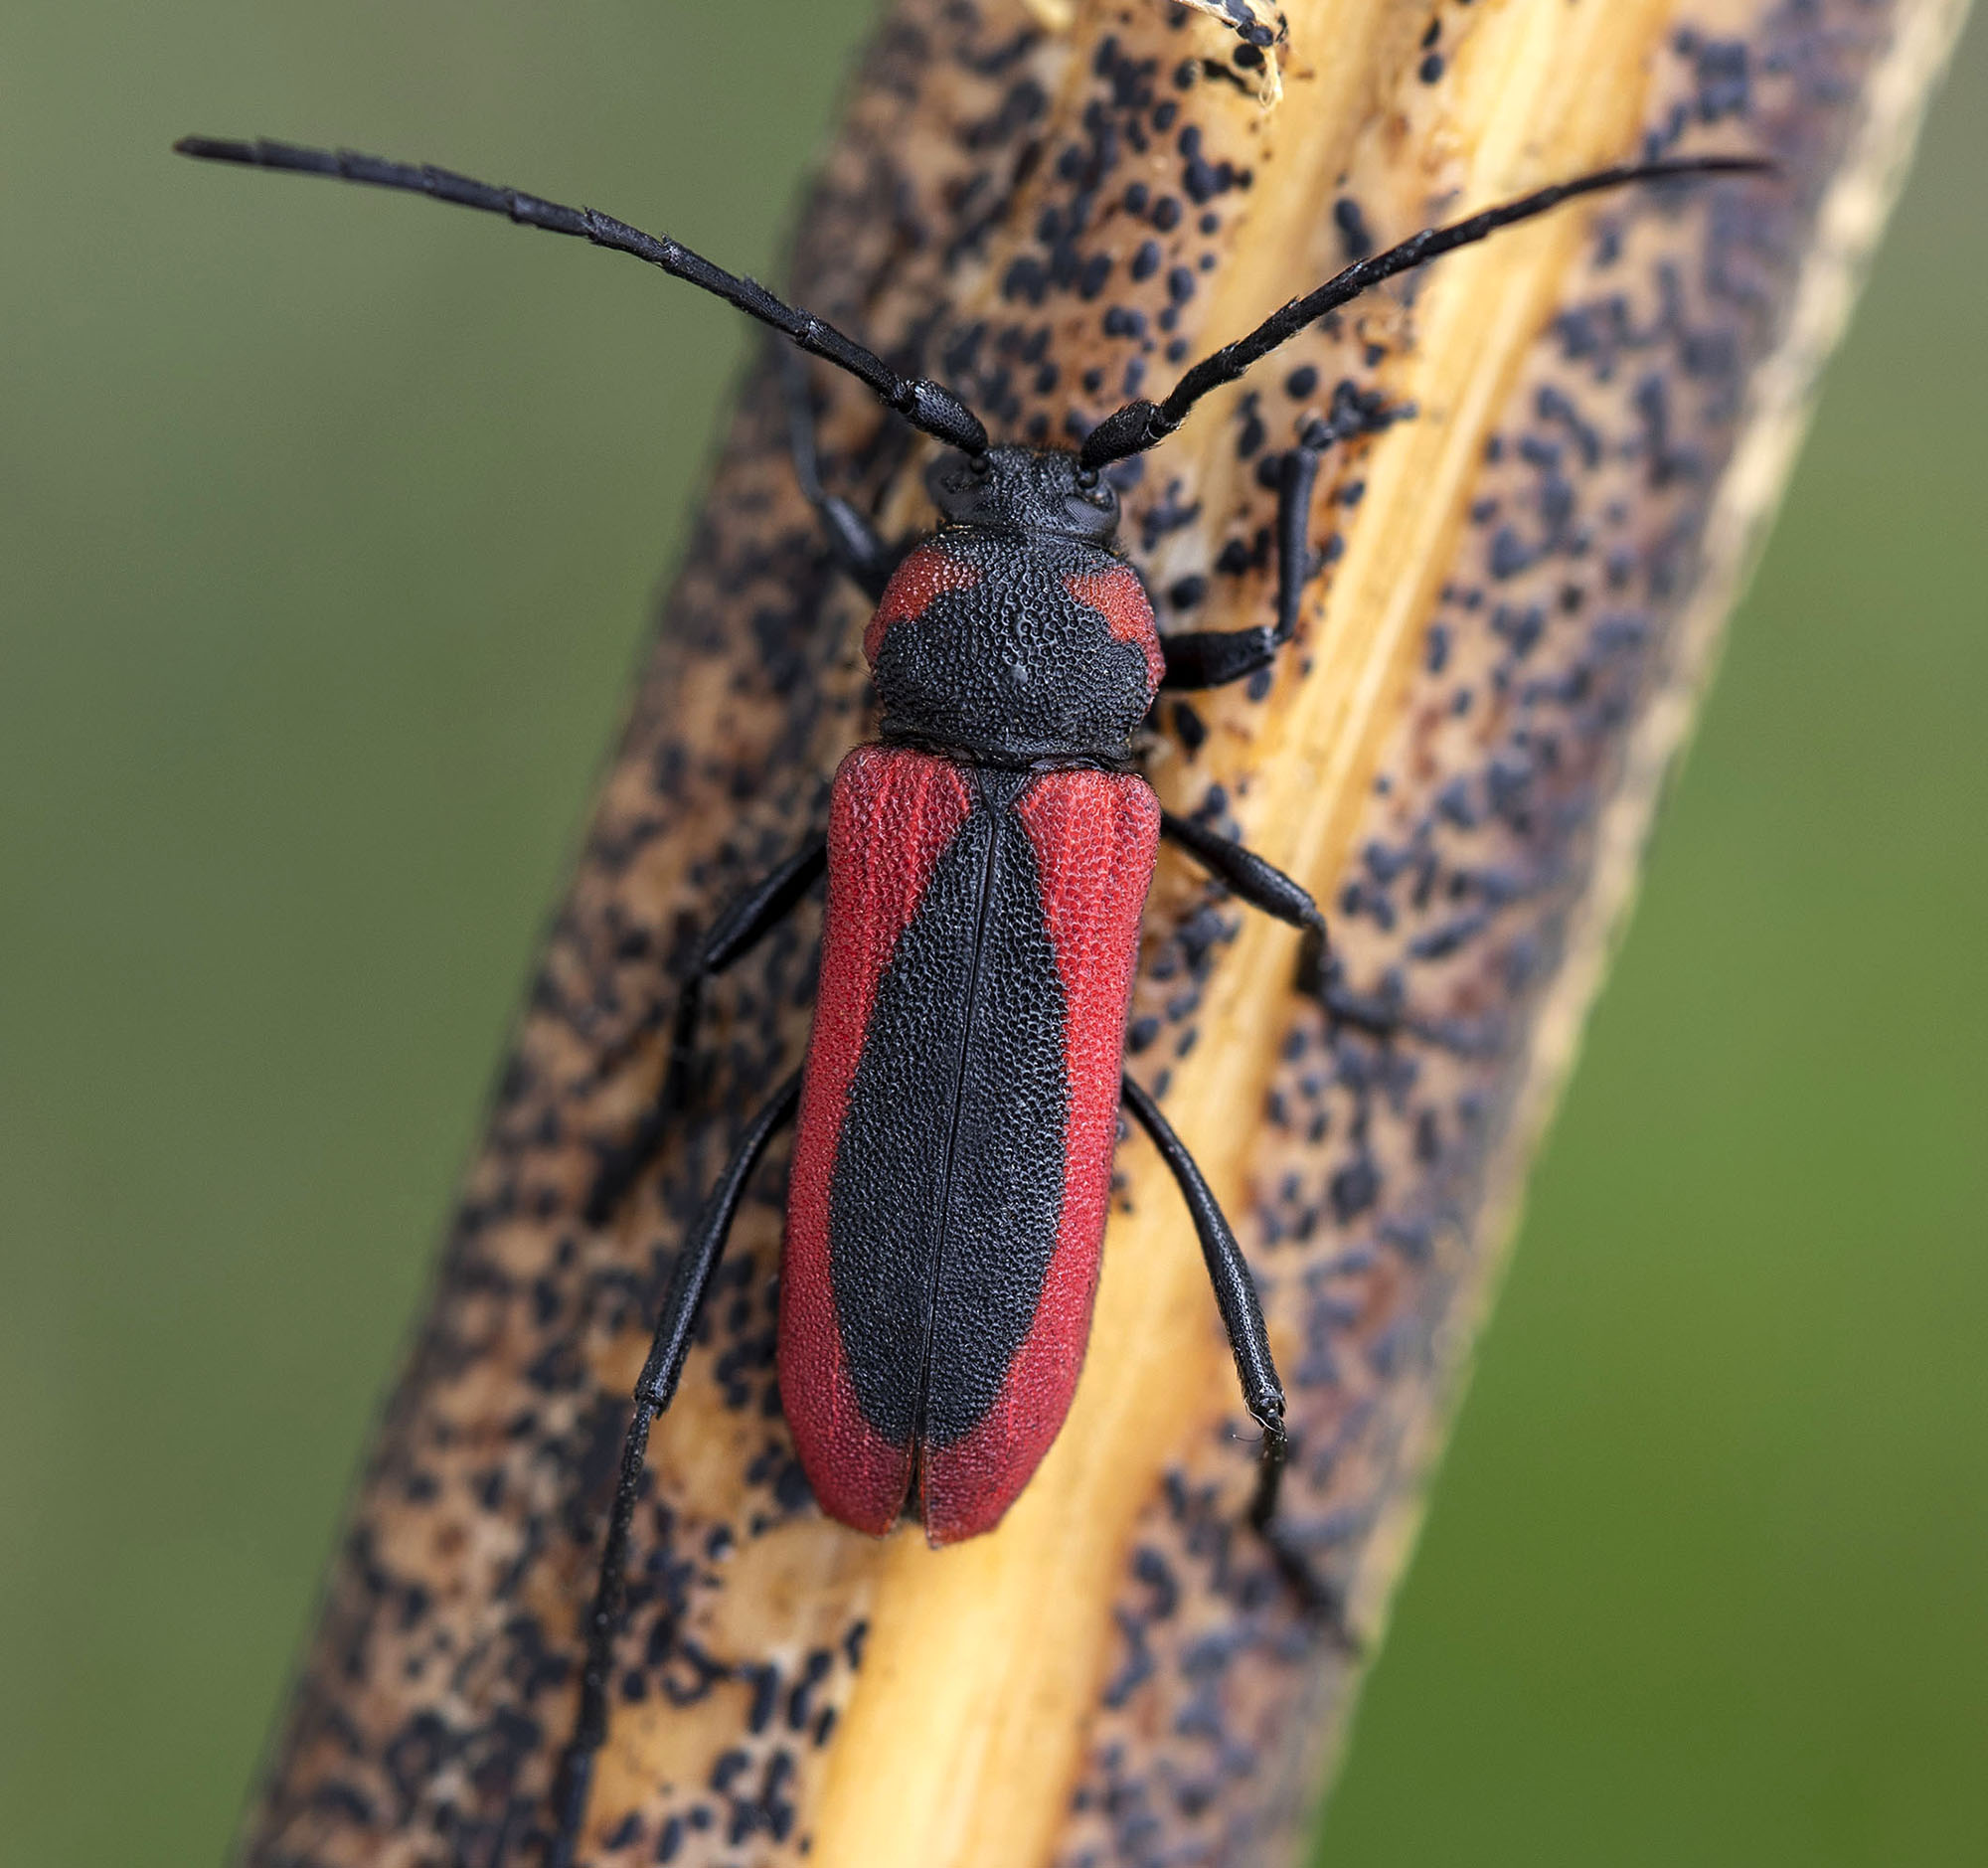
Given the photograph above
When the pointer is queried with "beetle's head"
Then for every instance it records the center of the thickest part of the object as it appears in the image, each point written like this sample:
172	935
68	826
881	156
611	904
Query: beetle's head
1025	489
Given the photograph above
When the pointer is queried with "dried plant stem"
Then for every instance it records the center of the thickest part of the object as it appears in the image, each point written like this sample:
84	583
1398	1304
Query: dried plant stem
1522	594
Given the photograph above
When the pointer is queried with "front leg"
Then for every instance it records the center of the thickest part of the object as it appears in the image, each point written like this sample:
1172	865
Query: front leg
863	556
1212	658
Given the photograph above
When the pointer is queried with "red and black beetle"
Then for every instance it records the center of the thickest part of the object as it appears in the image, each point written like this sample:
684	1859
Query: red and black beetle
988	858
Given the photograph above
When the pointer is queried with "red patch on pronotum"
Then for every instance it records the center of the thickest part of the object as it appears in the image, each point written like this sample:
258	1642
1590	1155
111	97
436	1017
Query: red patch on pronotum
1120	598
922	576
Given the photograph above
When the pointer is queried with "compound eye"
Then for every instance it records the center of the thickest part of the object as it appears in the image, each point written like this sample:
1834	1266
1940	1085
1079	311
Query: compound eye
957	481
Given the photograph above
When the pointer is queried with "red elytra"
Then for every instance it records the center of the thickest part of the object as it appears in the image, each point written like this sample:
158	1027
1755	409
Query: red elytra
1091	837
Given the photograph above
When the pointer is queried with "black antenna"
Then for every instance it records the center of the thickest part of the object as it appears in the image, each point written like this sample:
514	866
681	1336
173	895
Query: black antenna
924	404
1140	424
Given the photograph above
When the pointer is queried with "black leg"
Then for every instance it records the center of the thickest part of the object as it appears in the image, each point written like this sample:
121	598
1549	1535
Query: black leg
1246	874
1212	658
653	1392
1262	1393
1262	885
868	561
1383	1014
742	926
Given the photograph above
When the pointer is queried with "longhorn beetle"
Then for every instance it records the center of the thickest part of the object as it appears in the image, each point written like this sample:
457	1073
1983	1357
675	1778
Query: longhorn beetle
988	857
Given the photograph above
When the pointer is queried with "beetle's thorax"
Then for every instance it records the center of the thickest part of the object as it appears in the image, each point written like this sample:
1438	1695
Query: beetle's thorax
1014	635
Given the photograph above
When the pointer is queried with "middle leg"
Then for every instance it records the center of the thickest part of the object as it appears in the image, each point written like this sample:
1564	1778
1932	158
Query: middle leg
1263	886
745	922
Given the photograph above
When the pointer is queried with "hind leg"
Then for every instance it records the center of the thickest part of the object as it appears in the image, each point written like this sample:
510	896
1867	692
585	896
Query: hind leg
1249	1341
653	1392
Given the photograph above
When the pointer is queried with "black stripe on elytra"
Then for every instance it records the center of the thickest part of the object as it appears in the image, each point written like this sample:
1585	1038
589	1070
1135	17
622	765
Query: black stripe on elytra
948	1181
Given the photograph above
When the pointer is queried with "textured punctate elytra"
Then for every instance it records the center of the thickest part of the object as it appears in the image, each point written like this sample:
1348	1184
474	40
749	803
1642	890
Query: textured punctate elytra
936	1290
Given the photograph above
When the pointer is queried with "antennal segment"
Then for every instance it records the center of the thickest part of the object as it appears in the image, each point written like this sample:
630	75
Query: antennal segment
1139	426
924	404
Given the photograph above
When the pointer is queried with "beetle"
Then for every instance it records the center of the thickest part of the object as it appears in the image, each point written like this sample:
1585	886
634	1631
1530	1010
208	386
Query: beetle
987	859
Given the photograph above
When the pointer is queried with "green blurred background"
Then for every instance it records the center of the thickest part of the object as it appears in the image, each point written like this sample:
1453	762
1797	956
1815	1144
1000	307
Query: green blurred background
328	535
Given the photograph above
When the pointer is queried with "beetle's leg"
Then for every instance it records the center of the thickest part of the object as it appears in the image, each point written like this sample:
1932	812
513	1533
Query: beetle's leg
864	556
1262	885
1212	658
744	922
653	1391
1246	874
1262	1393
